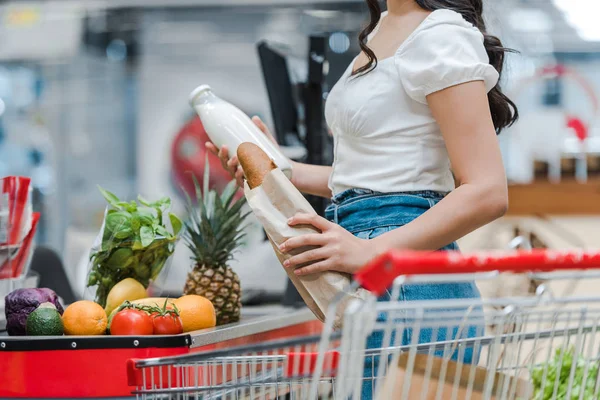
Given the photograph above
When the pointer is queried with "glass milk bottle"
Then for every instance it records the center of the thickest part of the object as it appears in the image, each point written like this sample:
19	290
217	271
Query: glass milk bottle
227	125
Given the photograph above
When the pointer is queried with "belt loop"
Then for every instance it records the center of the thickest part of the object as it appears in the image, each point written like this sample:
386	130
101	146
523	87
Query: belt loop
335	214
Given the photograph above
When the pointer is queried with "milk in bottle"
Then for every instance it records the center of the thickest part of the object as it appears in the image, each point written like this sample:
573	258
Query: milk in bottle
227	125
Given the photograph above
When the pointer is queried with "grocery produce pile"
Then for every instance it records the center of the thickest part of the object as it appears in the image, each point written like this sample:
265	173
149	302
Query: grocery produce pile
557	372
37	312
19	304
134	246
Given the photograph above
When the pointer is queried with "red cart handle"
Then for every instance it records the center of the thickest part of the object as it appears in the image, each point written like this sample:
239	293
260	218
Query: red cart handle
378	275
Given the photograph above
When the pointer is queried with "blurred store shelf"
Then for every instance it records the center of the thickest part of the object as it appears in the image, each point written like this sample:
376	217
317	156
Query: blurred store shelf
565	198
573	146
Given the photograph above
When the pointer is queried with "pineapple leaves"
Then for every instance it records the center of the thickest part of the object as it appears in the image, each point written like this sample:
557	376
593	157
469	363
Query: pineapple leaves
229	193
214	229
201	198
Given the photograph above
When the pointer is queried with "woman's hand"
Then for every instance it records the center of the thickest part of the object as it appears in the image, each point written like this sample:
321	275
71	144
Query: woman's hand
230	162
338	249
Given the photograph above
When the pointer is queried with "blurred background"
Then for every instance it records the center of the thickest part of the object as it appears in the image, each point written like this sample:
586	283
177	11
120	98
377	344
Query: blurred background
95	93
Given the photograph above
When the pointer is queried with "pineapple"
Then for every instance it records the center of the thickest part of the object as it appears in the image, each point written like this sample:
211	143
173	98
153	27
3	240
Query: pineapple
213	233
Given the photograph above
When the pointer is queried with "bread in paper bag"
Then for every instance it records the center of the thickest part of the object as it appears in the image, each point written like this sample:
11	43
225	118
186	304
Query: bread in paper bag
274	200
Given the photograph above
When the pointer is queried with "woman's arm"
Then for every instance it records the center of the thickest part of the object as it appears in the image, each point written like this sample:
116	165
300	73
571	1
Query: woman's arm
312	179
463	115
309	179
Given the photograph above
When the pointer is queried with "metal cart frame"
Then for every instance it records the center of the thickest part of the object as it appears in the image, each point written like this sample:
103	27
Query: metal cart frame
339	364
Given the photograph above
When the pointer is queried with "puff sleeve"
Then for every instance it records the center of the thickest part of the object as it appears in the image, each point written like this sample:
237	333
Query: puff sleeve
444	55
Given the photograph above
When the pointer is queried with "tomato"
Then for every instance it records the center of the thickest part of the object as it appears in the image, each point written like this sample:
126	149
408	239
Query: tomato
131	322
167	325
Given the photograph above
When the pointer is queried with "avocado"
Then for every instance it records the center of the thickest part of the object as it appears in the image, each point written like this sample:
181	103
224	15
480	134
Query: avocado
44	321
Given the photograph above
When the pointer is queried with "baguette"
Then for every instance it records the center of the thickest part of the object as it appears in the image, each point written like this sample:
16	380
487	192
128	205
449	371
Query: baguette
255	163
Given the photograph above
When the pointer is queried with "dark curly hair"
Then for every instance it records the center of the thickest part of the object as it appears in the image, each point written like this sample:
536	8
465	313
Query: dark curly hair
504	111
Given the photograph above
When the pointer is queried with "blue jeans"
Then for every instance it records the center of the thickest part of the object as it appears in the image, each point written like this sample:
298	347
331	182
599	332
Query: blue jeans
367	214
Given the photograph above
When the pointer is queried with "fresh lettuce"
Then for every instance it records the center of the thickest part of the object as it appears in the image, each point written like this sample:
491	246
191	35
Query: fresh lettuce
545	376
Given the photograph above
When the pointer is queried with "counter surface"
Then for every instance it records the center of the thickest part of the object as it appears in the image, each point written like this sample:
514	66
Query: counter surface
254	320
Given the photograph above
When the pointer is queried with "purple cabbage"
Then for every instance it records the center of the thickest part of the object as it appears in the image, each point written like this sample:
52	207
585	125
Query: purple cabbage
22	302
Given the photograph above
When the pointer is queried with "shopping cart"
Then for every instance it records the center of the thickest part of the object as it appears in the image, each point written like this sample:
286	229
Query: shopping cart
543	347
273	370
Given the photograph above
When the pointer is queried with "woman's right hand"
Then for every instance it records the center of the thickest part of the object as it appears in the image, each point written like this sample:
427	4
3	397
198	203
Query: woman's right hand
232	164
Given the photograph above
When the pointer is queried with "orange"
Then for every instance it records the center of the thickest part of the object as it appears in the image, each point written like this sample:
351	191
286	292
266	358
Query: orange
85	318
196	312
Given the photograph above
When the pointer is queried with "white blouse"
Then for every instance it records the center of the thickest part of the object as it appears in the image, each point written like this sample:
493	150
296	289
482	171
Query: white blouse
385	136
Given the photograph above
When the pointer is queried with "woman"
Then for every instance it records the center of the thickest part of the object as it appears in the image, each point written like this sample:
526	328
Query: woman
417	111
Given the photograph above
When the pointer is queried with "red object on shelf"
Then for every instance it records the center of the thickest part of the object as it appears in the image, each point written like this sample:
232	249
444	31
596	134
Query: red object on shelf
16	188
14	265
380	274
579	128
557	69
26	251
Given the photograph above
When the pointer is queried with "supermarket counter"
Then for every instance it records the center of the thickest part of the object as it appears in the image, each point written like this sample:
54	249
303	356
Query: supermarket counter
98	363
266	322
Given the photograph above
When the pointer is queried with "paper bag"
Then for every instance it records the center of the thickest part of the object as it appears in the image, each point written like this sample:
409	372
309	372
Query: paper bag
274	203
435	378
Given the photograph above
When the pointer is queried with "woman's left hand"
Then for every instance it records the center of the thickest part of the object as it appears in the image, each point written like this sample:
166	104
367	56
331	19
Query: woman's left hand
338	249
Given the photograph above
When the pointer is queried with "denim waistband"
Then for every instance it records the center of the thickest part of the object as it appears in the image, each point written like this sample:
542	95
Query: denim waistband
351	194
358	210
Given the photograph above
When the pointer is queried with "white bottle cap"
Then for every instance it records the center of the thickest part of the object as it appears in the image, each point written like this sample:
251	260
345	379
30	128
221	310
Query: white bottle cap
197	92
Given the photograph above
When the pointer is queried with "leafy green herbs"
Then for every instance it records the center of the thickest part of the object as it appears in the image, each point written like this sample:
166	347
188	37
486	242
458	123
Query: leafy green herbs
558	372
135	243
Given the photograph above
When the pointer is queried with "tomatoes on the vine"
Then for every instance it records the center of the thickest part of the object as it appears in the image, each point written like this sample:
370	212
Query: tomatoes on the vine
132	319
131	322
166	320
168	324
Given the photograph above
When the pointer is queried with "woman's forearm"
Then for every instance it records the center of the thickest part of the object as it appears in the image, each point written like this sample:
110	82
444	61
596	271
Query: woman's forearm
464	210
312	179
